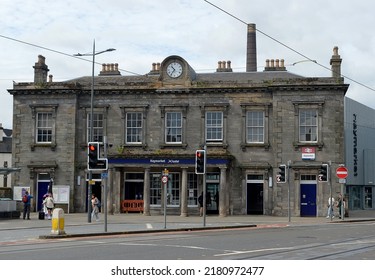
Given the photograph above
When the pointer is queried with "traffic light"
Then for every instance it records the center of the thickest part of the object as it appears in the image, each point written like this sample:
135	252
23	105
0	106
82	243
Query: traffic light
323	173
281	176
200	162
92	155
94	161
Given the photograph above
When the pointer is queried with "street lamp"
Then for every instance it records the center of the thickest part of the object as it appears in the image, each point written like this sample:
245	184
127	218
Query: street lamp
91	136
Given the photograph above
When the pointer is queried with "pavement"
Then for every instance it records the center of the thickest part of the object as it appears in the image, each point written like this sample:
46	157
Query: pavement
77	224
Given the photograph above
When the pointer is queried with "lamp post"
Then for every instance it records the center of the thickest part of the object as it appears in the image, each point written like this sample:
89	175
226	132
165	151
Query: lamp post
91	136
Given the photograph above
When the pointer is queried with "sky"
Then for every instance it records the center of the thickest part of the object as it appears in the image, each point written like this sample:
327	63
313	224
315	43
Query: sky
145	31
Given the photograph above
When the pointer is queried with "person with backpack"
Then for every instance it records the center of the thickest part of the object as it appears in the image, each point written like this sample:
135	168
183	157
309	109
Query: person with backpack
95	207
26	205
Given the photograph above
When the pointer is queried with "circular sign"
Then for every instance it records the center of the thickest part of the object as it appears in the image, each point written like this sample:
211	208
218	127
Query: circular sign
164	179
342	172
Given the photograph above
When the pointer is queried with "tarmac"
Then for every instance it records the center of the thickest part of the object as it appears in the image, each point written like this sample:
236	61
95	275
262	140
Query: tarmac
78	224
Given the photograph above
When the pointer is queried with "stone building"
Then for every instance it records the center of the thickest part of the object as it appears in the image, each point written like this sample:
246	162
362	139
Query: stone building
5	156
250	122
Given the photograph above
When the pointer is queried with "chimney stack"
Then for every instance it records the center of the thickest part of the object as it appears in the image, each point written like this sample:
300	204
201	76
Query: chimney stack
251	56
40	70
336	63
110	69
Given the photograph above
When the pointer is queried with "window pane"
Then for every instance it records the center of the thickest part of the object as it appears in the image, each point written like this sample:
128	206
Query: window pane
44	127
214	126
98	127
134	127
255	127
192	189
173	189
308	129
173	127
155	189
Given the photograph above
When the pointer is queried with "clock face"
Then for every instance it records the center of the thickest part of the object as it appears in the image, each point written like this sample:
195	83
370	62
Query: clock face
174	70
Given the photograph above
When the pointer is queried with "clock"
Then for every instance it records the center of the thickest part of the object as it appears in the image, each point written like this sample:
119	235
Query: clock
174	69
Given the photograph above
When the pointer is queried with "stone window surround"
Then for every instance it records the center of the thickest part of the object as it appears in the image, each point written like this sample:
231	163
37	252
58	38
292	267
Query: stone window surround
43	108
265	107
135	109
308	105
222	107
183	108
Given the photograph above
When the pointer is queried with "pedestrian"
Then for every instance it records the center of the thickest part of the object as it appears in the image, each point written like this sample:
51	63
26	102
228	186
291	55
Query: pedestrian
95	207
26	205
217	200
208	199
331	202
340	204
200	201
49	204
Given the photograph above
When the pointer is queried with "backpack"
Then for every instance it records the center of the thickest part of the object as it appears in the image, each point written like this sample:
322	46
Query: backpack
25	198
98	203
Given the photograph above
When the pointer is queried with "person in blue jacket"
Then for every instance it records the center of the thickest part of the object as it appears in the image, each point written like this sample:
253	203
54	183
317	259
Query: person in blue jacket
26	205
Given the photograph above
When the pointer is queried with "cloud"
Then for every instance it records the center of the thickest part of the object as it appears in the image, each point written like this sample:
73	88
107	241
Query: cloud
144	32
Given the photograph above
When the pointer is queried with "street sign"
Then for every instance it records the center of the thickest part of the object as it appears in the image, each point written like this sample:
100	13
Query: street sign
342	172
164	179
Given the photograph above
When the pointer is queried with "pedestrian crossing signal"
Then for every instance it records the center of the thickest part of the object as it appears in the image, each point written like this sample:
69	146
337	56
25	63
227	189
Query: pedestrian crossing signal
323	173
281	176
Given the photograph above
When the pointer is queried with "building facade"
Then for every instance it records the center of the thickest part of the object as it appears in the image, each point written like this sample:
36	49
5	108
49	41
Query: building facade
5	156
250	123
360	155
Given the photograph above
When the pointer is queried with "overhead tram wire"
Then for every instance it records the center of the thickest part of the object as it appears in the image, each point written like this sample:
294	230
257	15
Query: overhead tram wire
290	48
62	53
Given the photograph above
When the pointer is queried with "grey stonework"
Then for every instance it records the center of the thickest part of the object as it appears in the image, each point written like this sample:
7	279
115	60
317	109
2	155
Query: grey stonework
279	93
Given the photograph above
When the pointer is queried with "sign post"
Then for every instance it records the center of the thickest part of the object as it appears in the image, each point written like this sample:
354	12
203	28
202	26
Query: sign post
342	173
164	180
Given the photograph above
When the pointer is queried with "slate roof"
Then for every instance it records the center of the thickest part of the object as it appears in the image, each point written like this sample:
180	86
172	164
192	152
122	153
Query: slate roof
6	143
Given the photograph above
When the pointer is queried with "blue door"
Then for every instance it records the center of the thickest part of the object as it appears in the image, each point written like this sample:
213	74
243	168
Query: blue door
42	190
308	200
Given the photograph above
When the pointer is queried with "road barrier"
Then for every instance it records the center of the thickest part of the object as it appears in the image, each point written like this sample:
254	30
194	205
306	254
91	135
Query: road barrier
58	222
135	205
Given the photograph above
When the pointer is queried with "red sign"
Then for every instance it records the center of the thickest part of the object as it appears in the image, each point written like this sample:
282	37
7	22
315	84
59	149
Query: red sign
164	179
342	172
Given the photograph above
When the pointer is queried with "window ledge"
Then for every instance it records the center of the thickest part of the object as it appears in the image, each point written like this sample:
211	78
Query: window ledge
221	145
43	145
319	145
266	146
171	145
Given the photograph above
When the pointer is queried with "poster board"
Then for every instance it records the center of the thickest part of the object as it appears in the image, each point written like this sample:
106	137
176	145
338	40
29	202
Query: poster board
61	194
19	191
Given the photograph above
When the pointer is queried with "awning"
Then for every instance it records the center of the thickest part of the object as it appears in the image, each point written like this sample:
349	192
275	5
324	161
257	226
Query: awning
6	171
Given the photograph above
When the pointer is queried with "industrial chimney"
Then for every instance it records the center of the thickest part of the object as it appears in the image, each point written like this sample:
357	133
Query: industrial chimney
251	57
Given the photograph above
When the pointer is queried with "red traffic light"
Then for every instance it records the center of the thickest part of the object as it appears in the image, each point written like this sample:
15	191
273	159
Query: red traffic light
92	148
200	162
